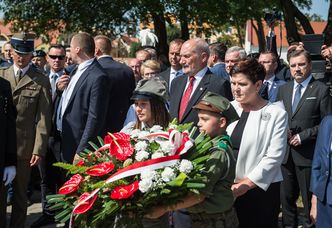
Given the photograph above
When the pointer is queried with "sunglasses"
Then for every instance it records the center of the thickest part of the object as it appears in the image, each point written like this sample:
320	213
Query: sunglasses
60	57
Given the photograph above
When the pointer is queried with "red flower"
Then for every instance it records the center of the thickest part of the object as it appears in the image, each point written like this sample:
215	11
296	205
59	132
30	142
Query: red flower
80	163
84	207
71	185
124	191
120	145
101	169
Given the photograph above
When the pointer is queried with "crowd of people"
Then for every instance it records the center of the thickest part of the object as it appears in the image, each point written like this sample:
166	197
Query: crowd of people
272	146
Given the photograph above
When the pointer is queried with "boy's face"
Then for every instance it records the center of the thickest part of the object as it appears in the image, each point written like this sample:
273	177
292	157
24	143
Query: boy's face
211	123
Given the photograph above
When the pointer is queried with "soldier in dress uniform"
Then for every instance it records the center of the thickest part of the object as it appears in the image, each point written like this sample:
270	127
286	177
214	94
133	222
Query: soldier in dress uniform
32	97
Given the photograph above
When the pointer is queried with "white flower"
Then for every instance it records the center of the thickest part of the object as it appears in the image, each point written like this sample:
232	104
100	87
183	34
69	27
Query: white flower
149	174
168	174
135	133
142	134
145	185
167	147
156	128
141	145
141	155
157	155
186	166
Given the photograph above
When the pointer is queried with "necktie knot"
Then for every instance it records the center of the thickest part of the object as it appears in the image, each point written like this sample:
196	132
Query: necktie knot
19	75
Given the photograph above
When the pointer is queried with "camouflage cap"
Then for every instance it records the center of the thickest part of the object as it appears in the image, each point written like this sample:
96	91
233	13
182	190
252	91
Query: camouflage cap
23	43
213	102
151	88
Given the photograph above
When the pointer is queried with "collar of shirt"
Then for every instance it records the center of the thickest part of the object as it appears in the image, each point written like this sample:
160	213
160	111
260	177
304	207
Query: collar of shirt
218	63
52	73
304	84
270	81
82	66
198	77
174	72
24	70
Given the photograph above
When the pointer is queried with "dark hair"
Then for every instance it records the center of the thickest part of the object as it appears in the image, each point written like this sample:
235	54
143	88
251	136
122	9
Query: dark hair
57	46
159	114
105	45
218	49
296	53
274	55
251	68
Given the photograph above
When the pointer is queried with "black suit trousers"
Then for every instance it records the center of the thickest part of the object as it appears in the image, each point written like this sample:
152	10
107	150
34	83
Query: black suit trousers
296	180
258	208
52	178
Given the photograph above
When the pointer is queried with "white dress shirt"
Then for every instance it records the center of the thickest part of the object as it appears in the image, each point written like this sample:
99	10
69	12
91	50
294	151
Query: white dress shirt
198	77
66	95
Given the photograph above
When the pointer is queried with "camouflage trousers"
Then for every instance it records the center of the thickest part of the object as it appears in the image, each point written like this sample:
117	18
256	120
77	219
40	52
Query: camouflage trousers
226	219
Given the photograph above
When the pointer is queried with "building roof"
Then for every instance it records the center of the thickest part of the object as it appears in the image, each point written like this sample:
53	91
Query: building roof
318	28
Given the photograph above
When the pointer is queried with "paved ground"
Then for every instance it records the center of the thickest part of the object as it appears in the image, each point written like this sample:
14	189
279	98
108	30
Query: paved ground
34	211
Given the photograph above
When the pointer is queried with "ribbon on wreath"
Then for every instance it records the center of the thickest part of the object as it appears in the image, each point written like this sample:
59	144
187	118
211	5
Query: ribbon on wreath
182	144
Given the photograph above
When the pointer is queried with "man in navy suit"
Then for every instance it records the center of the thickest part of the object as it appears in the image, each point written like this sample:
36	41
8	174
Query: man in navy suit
321	178
217	59
81	115
122	84
307	102
174	59
271	84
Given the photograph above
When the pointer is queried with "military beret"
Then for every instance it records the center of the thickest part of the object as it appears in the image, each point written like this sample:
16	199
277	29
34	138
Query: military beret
215	103
23	42
151	88
38	53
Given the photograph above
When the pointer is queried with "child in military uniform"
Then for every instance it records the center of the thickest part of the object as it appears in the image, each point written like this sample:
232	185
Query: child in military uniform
214	206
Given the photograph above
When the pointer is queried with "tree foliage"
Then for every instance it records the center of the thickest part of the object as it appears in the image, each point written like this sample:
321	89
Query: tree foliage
111	17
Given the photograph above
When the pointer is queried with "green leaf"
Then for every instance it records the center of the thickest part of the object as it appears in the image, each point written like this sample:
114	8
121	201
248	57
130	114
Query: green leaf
201	159
165	191
62	214
101	141
94	146
178	181
57	206
195	185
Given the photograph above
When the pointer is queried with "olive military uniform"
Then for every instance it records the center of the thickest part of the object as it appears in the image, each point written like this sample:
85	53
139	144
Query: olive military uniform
31	96
217	208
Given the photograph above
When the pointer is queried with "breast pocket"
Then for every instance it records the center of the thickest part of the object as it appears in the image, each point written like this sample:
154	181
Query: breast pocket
28	101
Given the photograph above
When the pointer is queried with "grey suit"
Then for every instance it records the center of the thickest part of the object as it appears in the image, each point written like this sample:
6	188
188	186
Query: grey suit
314	104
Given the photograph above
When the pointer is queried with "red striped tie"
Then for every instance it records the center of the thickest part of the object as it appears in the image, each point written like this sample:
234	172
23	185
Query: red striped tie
186	97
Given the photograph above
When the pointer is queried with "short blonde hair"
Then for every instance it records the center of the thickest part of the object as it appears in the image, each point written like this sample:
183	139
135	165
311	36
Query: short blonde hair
151	64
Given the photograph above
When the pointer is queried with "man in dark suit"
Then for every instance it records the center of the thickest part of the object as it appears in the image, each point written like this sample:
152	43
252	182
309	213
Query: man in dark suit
81	114
216	60
188	89
7	144
271	84
174	59
122	84
306	101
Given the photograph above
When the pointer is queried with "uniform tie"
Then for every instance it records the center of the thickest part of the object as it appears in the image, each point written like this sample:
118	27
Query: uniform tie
19	75
186	97
297	97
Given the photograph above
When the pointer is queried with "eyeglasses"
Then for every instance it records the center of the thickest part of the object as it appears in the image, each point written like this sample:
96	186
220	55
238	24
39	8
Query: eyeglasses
60	57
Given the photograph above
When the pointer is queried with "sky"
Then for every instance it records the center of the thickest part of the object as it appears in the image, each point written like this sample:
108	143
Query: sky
319	7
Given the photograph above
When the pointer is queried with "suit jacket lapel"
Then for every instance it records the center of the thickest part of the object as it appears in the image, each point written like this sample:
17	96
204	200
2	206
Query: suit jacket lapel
306	94
79	82
178	92
199	91
27	78
289	97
